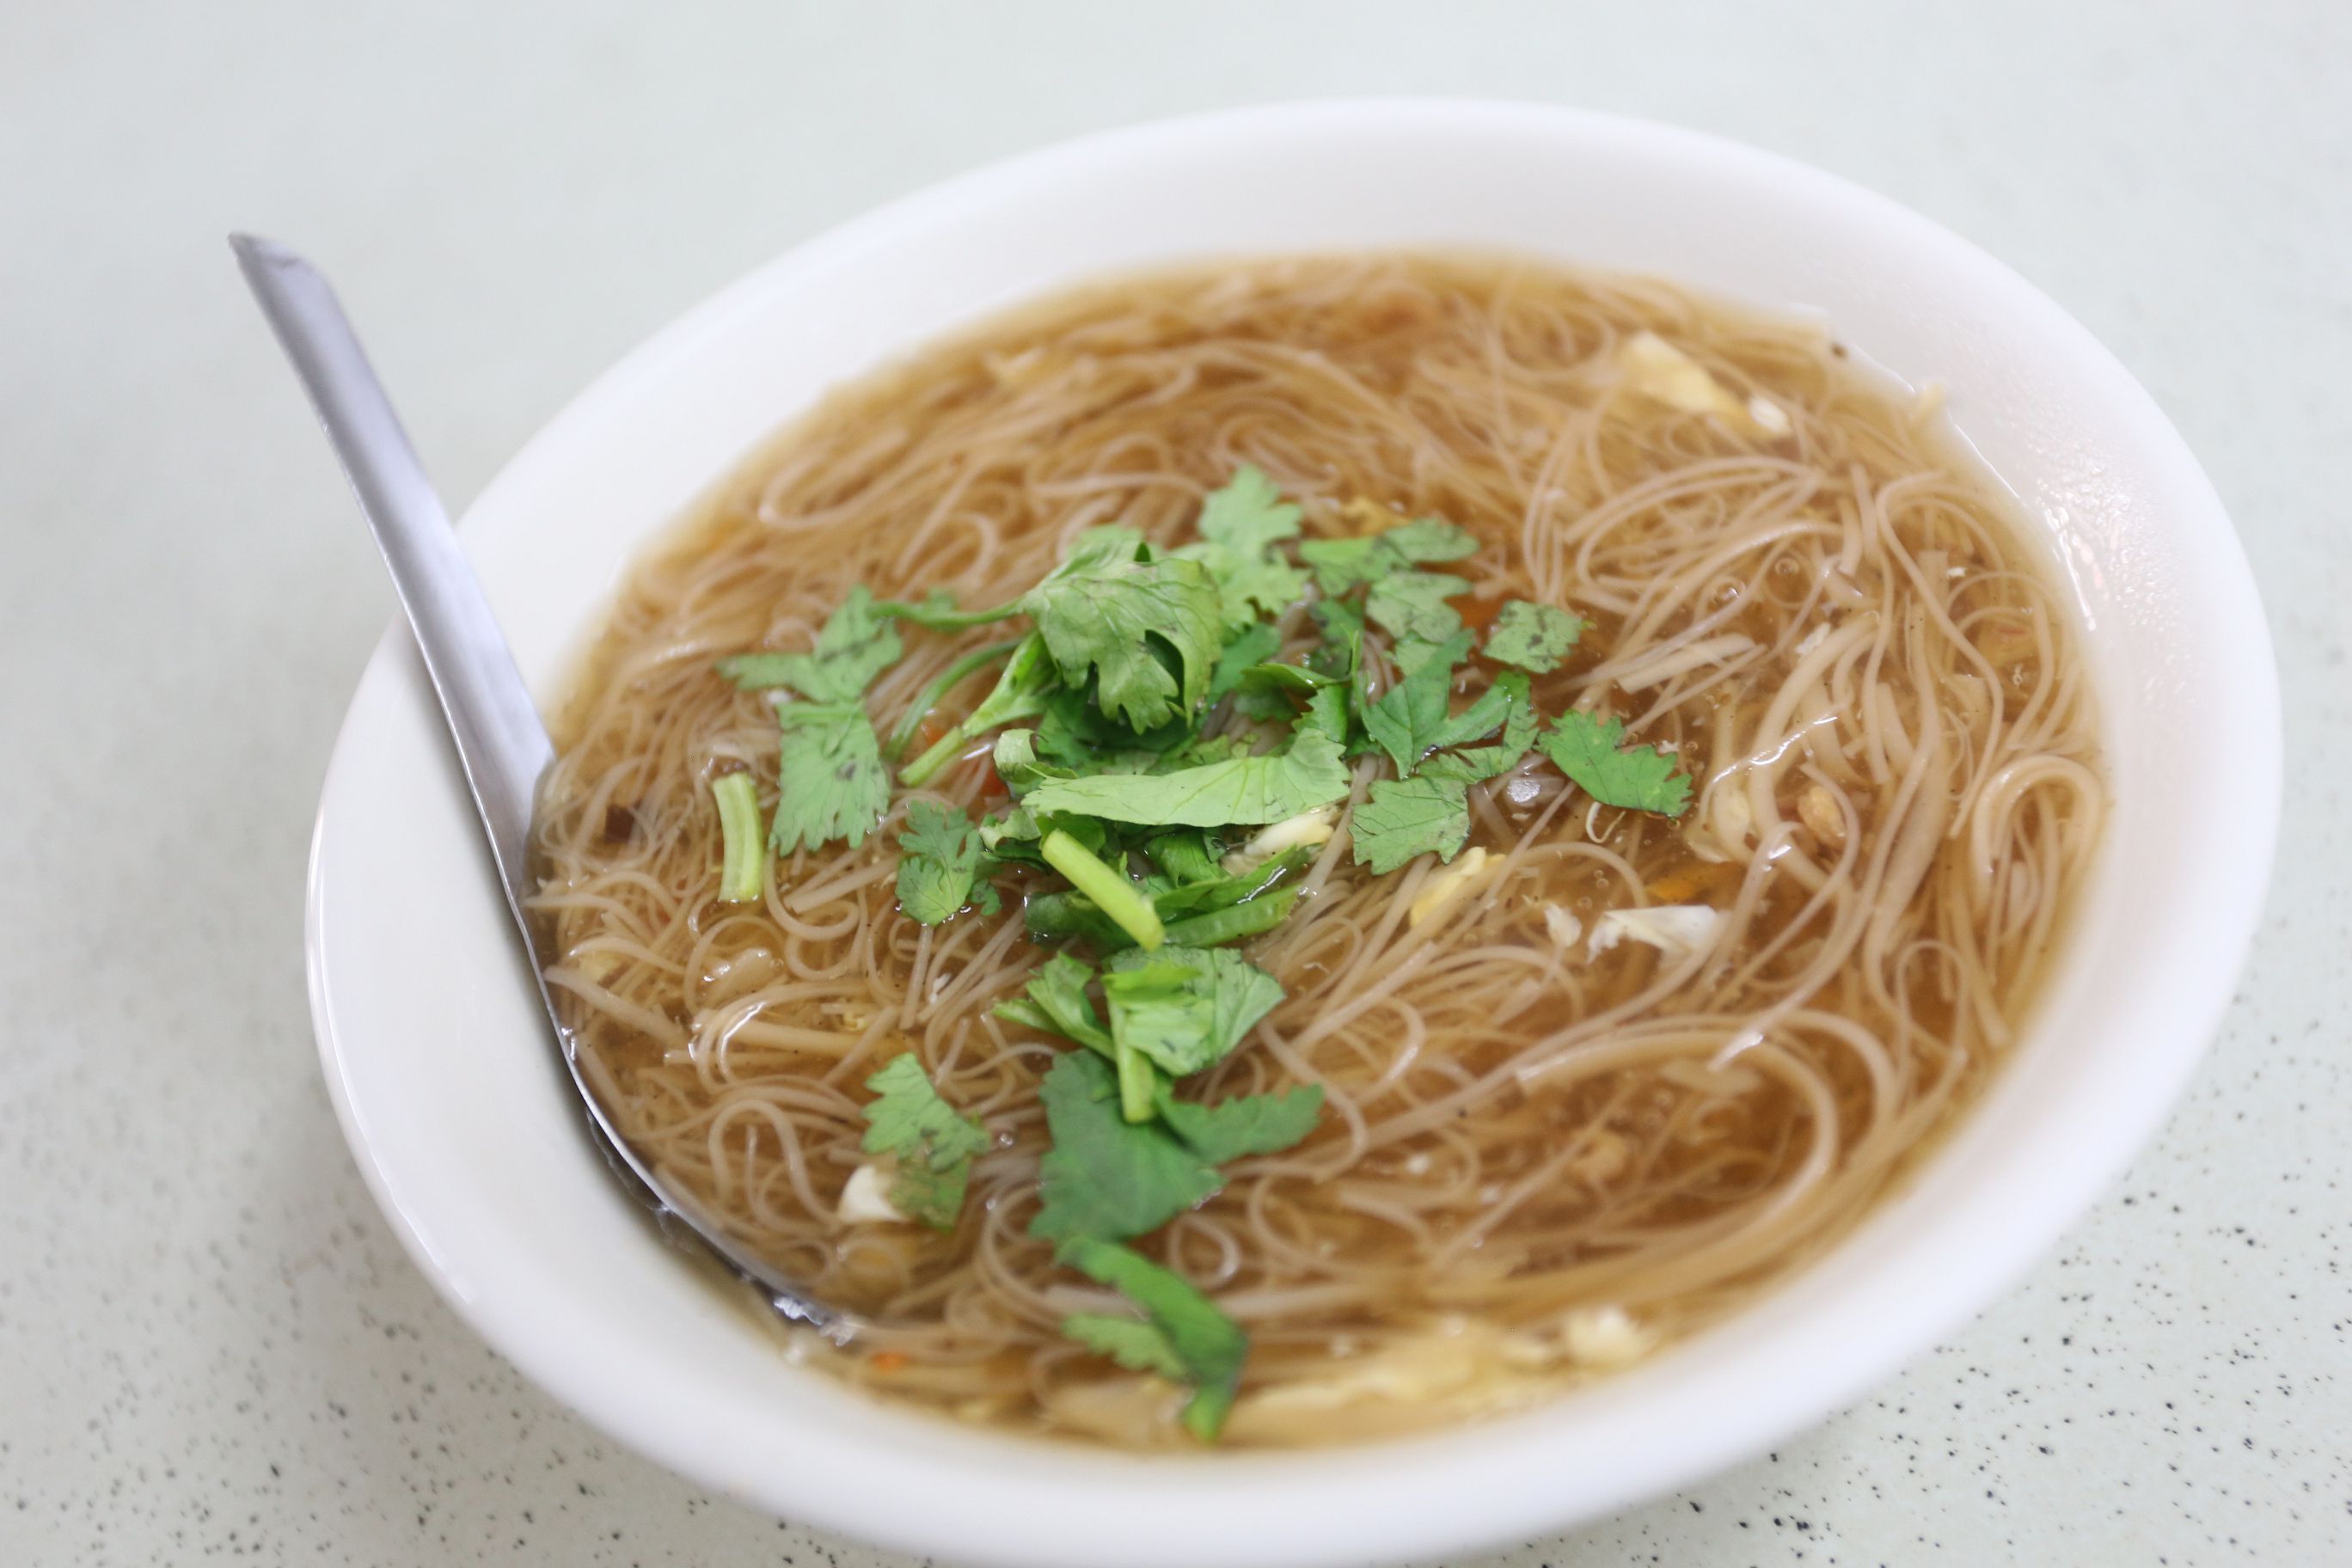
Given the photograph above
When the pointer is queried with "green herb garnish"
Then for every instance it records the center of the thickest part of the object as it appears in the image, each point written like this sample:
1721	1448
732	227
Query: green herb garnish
1136	1344
930	1145
1206	1347
1531	637
1343	564
1404	817
1410	719
1241	791
1243	652
742	848
1246	1124
1404	601
1412	606
831	781
1145	723
1056	1004
857	644
1504	705
939	860
1186	1008
1114	619
1642	779
955	675
1240	526
1238	923
1106	1176
1120	900
1019	693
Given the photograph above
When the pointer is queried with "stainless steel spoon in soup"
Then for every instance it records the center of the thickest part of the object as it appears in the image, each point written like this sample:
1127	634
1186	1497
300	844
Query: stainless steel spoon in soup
493	723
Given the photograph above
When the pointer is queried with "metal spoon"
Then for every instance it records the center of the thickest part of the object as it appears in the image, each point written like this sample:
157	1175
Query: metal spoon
499	740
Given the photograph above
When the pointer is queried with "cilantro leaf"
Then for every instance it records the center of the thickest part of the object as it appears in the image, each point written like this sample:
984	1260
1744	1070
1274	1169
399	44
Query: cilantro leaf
1011	835
1078	736
1246	791
1281	681
933	1146
1110	614
1426	539
1246	1124
1288	677
1343	636
1327	714
1106	1176
1015	758
1404	817
1184	856
1056	1004
1413	605
1249	513
1244	650
855	645
1269	583
1107	545
1186	1007
1409	716
1410	653
1534	637
1344	564
1506	698
942	857
1210	1346
1159	1008
830	773
1643	779
1202	751
1136	1344
1506	704
1240	526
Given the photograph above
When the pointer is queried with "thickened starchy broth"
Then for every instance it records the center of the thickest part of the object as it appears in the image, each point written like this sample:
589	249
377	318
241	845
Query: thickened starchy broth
1304	849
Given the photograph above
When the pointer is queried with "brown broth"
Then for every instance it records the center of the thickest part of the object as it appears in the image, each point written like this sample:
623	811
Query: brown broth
1539	1159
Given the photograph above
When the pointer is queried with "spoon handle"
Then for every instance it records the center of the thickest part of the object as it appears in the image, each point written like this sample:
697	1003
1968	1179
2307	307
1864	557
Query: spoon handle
501	742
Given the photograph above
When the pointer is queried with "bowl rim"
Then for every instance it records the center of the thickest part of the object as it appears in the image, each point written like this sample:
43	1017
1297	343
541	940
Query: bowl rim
1245	1509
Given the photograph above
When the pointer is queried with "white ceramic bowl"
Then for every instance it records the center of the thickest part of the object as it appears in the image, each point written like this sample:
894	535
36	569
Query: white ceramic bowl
440	1069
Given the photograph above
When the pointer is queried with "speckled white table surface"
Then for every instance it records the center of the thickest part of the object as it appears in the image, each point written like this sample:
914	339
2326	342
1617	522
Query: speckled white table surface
210	1344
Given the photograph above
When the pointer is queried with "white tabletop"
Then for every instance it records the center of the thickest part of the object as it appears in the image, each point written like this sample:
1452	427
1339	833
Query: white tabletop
210	1343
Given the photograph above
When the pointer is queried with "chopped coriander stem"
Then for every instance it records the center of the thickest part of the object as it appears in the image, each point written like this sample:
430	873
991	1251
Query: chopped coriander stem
942	620
1019	693
937	691
1138	1084
941	752
1113	894
1218	927
741	838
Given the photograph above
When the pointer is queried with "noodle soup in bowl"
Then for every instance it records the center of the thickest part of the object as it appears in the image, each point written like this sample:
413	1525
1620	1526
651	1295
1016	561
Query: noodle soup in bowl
1635	298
